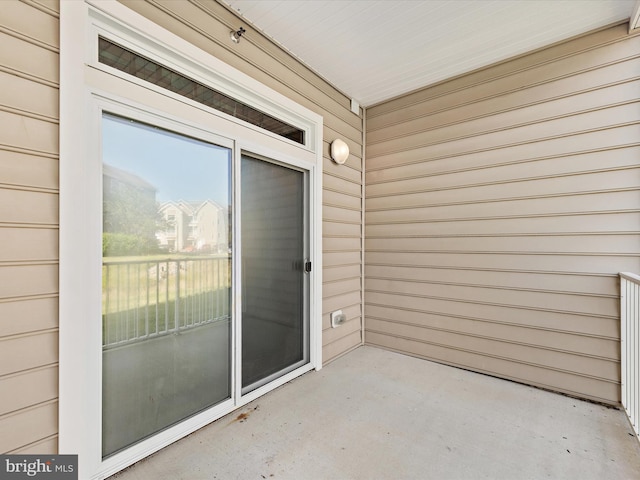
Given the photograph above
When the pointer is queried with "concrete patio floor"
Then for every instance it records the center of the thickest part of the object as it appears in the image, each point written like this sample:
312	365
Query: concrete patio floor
374	414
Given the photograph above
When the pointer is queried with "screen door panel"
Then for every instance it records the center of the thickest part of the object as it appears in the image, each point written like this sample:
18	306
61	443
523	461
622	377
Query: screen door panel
274	283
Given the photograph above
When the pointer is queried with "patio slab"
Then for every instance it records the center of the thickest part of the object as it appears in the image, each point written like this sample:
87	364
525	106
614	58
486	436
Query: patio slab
375	414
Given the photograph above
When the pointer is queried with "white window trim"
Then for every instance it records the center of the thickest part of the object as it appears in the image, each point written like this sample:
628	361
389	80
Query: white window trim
79	384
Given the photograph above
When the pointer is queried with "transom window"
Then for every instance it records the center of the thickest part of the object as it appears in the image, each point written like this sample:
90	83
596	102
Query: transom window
133	64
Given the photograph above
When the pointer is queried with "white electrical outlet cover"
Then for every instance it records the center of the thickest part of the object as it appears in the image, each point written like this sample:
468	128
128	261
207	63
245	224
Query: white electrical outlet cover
337	318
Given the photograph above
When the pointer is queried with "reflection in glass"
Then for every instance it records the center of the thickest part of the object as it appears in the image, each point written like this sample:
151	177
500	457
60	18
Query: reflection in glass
166	276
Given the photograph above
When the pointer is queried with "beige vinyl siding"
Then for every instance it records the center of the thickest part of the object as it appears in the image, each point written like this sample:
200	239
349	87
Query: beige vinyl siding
29	226
207	24
500	207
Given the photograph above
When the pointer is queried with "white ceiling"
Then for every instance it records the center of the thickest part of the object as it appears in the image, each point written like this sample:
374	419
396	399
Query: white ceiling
376	50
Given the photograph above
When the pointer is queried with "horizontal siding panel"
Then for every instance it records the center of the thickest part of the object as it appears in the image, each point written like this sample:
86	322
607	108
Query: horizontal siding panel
398	206
513	211
584	304
28	351
28	133
27	96
338	259
350	327
504	244
30	22
337	184
28	315
559	380
330	213
330	244
341	301
445	189
567	342
28	280
21	206
339	287
333	350
52	7
579	223
342	272
28	388
623	179
594	284
28	170
579	364
346	172
567	263
564	88
495	182
487	132
28	244
45	446
28	426
338	199
341	229
482	169
31	60
539	318
618	135
613	202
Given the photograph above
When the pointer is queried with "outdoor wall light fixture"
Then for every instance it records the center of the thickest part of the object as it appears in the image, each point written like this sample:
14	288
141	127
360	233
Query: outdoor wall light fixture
235	36
339	151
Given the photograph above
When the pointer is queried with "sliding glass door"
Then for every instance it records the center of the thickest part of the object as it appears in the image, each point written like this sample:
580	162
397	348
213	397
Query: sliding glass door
166	279
167	283
275	333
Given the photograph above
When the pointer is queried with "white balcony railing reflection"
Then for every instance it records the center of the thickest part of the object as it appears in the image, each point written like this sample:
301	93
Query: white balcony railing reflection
142	299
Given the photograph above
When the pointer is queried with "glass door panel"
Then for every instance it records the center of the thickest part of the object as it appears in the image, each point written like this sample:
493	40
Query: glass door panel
275	337
166	276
